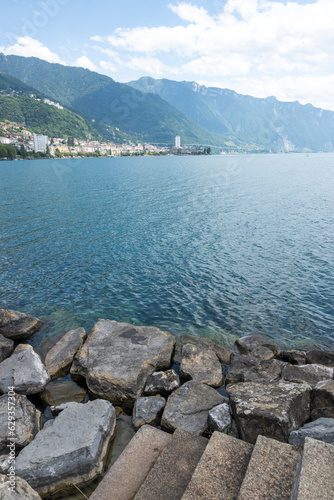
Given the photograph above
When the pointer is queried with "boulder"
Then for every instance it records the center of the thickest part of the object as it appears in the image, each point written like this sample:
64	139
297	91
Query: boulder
317	357
59	359
322	429
27	421
23	370
5	463
326	412
62	391
270	409
17	325
238	367
250	369
295	357
220	418
323	400
310	374
71	449
201	364
17	489
223	353
258	346
162	383
117	359
188	407
6	348
323	394
147	411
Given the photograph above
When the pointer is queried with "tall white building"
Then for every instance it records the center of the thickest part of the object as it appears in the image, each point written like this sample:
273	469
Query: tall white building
178	141
40	143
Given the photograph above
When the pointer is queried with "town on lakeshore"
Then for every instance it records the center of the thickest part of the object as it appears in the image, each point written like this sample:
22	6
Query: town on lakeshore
18	141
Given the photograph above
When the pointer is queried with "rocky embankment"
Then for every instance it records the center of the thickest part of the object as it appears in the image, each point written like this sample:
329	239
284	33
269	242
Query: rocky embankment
191	384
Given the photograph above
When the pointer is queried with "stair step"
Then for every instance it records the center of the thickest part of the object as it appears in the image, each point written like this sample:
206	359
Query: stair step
271	471
172	471
315	472
130	470
220	471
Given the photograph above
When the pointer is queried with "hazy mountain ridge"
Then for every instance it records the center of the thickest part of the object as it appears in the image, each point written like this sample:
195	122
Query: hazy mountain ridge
266	122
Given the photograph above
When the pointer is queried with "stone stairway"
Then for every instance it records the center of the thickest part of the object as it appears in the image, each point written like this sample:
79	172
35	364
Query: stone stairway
159	466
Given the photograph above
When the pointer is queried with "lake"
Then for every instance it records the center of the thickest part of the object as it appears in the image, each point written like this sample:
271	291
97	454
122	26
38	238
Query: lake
221	246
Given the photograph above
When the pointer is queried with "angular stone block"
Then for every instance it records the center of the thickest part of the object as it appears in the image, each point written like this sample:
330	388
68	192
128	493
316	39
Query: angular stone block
314	476
271	409
271	471
130	470
220	472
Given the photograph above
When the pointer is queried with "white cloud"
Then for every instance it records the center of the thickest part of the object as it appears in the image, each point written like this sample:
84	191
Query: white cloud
29	47
276	45
85	62
108	66
150	66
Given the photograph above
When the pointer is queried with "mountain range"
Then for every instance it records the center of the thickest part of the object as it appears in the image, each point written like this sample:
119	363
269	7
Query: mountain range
155	111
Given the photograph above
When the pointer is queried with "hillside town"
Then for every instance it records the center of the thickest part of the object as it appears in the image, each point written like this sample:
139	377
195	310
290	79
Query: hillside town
23	139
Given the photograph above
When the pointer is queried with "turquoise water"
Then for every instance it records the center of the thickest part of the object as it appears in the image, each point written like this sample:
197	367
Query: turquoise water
221	246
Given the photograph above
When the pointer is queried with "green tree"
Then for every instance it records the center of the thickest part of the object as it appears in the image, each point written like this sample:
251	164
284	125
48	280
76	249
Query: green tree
58	153
23	153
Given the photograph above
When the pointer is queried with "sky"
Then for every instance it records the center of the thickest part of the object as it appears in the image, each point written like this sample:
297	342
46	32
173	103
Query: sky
258	47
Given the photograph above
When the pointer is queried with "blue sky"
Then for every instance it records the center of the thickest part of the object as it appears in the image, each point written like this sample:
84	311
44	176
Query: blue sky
257	47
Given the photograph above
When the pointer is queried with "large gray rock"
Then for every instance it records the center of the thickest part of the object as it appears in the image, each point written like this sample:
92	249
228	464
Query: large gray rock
322	429
220	418
295	357
202	365
320	357
162	383
5	464
17	489
270	409
59	359
147	411
70	449
323	400
188	407
6	348
250	369
223	353
27	421
309	374
117	359
258	346
23	370
16	325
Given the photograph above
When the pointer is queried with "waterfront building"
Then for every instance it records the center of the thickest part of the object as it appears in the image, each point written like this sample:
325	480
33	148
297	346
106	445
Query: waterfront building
40	143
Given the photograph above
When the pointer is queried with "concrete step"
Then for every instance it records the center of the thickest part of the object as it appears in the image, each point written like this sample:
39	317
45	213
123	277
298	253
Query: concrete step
220	471
271	471
173	469
130	470
315	472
